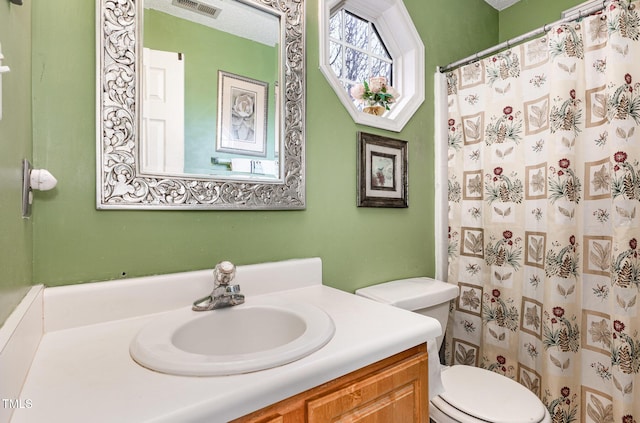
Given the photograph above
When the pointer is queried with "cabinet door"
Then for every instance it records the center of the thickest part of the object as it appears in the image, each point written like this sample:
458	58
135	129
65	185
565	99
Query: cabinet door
394	394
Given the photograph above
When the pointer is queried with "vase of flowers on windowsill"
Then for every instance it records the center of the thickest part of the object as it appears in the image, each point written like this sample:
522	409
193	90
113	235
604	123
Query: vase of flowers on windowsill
375	95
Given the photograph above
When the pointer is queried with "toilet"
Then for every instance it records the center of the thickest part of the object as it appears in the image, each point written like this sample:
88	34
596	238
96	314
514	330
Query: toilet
469	394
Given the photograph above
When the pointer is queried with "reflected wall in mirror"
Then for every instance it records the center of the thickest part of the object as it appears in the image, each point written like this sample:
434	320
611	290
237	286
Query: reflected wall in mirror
226	131
189	51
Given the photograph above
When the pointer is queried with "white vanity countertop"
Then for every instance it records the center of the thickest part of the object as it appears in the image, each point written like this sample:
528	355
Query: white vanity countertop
85	373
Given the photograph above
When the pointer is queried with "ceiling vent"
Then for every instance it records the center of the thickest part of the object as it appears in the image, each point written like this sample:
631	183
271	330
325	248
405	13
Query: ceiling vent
194	6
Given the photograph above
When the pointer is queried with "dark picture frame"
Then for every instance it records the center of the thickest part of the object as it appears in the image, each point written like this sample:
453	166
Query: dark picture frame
382	171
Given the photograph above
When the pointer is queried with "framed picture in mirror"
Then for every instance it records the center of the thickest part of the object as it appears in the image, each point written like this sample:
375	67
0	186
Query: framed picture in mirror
382	171
242	115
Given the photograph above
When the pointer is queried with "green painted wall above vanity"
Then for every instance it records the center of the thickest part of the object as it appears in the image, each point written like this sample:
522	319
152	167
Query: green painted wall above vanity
359	246
52	47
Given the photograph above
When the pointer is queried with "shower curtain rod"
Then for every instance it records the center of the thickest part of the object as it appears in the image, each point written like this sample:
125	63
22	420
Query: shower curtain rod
513	41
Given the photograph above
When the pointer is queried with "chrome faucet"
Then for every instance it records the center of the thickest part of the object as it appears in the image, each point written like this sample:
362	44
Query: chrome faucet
224	294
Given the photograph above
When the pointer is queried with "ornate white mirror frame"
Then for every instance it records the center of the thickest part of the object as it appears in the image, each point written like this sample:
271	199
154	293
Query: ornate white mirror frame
400	36
120	185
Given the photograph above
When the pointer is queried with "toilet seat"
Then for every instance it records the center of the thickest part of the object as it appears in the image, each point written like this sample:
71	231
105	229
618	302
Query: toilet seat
474	395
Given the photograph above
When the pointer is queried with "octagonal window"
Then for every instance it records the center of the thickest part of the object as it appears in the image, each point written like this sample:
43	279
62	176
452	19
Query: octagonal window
374	39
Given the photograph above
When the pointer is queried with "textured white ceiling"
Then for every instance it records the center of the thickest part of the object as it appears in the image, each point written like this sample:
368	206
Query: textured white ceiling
234	15
501	4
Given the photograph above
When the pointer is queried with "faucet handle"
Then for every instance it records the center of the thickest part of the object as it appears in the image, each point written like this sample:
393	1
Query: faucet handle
224	273
226	267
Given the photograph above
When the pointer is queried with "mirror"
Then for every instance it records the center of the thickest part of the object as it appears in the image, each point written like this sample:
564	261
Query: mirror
227	132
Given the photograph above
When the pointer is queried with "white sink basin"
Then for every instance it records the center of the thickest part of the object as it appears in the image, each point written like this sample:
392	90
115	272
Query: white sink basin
256	335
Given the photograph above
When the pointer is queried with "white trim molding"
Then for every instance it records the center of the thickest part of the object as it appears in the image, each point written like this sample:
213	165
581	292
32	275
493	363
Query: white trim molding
403	42
441	171
19	340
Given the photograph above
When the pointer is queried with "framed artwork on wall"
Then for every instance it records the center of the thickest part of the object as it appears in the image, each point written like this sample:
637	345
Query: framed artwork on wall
382	171
242	115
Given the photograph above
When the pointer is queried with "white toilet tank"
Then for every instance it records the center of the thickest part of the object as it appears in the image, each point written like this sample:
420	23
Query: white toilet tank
426	296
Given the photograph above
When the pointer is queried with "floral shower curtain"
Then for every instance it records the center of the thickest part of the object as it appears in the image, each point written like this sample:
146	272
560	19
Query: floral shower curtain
544	214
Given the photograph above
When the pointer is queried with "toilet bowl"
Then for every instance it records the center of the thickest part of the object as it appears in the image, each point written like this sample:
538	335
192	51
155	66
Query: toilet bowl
475	395
468	394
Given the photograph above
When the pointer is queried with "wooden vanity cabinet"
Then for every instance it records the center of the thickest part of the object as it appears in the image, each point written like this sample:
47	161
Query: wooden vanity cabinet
391	390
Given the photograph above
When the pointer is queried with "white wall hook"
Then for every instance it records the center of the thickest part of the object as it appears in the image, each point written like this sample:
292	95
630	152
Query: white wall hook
42	180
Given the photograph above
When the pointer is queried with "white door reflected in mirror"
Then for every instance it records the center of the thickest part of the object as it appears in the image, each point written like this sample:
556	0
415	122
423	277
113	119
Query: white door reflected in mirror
163	114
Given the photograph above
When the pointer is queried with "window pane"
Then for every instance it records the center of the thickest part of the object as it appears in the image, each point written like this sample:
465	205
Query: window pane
356	31
356	51
377	48
356	63
335	25
381	68
335	58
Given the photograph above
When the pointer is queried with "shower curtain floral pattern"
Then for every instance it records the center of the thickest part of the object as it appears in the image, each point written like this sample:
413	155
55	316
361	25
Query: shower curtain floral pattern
544	212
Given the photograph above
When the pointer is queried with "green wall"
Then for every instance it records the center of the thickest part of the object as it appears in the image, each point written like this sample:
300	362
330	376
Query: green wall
72	242
75	243
15	144
527	15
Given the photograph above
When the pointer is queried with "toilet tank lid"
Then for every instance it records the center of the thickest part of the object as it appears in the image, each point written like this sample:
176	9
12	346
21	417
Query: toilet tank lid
411	294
